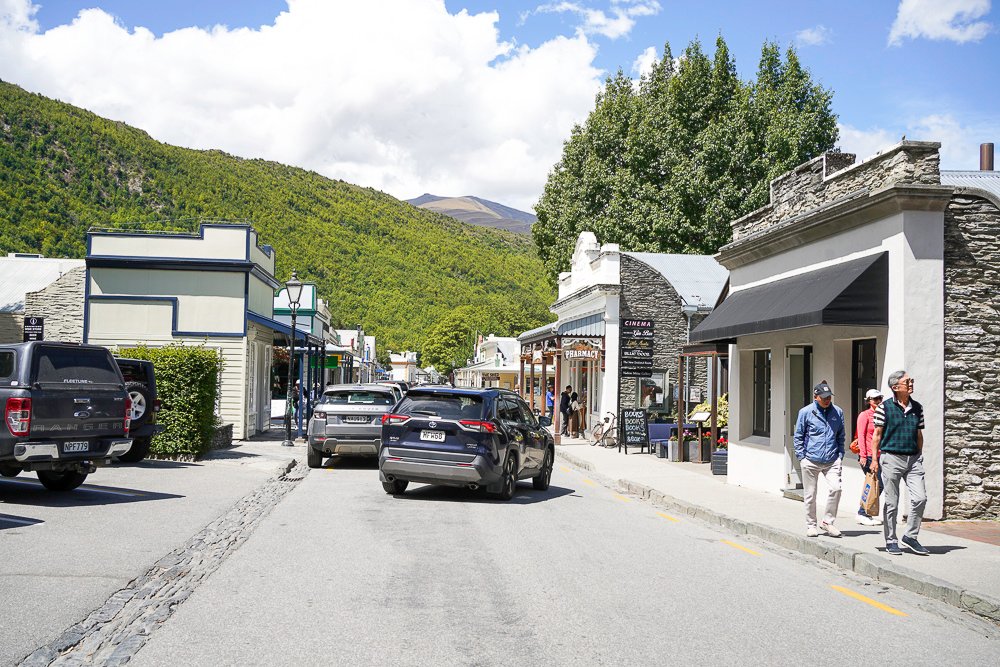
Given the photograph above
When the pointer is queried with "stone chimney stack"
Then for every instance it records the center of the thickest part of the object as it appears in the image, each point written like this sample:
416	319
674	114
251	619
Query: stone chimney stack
986	157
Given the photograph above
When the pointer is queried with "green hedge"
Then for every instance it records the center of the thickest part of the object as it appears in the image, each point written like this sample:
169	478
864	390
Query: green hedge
187	384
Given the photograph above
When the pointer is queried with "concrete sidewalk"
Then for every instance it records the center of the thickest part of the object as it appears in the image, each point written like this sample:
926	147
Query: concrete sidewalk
961	572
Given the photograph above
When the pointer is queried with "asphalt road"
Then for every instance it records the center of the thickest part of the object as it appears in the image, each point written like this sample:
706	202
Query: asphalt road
62	555
340	573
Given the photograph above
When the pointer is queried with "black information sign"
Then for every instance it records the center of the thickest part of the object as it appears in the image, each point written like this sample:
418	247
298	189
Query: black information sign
636	348
635	428
34	328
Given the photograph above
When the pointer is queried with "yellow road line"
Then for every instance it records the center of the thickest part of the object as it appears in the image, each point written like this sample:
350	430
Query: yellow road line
587	481
740	547
565	469
667	517
866	600
623	498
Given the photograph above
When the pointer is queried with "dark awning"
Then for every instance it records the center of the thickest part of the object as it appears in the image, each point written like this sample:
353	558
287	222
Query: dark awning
851	293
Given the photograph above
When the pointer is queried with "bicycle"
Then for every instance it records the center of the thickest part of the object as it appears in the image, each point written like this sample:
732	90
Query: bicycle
606	432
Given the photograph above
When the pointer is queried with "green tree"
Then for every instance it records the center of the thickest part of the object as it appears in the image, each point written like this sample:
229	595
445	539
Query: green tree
667	165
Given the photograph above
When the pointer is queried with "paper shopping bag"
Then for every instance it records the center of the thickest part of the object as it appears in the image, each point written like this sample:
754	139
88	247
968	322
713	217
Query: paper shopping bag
869	497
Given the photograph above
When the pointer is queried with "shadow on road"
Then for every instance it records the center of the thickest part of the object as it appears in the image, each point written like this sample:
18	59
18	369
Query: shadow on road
8	521
525	495
29	491
352	463
158	463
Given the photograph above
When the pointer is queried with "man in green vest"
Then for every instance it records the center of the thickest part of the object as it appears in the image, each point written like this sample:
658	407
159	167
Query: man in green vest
898	445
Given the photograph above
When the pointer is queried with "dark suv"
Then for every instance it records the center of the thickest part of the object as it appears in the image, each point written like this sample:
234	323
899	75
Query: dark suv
464	437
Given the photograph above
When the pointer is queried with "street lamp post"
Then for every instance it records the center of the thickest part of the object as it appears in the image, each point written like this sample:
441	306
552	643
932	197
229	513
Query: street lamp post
294	291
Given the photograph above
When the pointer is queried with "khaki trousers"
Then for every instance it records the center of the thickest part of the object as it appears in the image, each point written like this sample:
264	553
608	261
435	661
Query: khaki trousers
810	476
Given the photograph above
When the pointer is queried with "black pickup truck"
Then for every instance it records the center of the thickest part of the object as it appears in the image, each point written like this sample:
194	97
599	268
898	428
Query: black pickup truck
66	411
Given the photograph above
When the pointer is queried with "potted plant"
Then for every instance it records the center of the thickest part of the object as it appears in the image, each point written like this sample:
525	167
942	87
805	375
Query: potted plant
720	457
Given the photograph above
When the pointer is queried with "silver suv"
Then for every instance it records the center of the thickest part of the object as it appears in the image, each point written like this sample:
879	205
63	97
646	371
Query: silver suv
347	421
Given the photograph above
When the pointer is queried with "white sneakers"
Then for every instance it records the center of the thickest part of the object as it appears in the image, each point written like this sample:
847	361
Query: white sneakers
866	520
812	531
830	529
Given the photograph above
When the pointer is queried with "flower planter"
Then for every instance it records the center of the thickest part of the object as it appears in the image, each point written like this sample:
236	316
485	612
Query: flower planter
720	462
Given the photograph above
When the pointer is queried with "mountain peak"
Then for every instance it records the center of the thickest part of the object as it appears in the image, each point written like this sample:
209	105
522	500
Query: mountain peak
477	211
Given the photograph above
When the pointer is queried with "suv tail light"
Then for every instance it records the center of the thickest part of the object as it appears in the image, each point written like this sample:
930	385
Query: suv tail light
18	416
476	425
157	404
128	414
389	418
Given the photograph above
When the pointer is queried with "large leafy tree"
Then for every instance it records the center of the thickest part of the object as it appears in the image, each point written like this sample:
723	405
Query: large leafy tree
666	165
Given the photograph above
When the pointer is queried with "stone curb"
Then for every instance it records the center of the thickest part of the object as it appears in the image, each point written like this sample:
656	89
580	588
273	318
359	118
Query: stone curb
863	563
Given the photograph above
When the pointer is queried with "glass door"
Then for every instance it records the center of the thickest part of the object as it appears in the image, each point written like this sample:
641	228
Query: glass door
799	394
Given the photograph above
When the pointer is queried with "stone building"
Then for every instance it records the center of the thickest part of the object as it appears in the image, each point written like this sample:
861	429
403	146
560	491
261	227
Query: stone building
604	286
853	271
43	287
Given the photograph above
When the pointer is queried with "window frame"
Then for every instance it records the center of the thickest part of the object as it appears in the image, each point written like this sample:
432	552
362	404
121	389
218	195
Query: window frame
761	391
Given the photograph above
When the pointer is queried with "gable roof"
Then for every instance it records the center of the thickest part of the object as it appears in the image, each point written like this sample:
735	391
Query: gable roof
697	279
20	275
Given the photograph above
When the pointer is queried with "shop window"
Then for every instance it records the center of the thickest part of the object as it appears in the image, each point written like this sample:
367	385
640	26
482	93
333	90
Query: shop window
864	373
762	392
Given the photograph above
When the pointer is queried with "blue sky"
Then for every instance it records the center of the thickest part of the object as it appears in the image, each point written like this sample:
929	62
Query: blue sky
926	68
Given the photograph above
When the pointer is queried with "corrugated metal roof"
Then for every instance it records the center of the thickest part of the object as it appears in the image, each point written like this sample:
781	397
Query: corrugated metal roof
544	329
984	180
20	275
591	325
698	279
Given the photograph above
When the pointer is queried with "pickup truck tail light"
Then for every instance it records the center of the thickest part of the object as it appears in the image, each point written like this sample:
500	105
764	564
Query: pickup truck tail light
389	418
128	414
18	416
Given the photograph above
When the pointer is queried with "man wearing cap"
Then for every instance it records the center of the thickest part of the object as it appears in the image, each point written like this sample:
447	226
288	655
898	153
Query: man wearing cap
898	445
864	432
819	445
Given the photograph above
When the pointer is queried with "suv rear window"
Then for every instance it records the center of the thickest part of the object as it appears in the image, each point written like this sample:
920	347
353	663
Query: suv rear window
75	366
446	406
6	363
358	397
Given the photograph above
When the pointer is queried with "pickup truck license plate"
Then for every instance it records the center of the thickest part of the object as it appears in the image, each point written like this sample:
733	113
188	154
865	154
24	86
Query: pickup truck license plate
79	446
433	436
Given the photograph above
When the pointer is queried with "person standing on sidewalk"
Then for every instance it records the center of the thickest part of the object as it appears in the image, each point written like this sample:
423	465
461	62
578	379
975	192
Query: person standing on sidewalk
864	432
550	402
898	445
819	445
564	403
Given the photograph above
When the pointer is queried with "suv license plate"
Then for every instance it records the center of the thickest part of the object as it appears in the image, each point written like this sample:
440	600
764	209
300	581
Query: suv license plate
80	446
357	420
433	436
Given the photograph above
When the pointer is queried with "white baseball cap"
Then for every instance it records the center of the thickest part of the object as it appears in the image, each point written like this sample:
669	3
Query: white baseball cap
873	393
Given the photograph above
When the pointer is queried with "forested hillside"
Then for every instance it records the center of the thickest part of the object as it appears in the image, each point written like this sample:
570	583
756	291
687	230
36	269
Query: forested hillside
380	262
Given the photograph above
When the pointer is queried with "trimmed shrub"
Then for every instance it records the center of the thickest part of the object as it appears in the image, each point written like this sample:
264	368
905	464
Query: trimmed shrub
187	384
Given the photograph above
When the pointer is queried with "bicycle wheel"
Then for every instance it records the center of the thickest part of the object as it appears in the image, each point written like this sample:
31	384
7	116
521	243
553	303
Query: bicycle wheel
598	434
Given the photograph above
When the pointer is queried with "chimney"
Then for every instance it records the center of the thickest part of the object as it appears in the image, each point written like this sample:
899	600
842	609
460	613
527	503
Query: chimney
986	157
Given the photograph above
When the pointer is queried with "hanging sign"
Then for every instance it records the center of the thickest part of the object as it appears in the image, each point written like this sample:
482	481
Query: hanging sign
636	348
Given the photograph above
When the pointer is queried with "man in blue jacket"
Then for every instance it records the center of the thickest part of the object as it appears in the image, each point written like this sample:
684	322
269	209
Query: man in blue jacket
819	445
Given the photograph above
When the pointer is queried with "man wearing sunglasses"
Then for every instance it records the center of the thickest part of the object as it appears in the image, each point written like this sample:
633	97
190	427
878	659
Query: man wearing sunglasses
898	446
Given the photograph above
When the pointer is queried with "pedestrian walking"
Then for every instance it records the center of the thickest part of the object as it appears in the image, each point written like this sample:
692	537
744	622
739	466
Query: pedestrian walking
898	445
819	445
550	402
574	414
564	408
864	432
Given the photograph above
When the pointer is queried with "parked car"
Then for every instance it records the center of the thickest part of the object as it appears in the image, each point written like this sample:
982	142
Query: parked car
471	438
347	421
140	381
66	412
397	392
402	385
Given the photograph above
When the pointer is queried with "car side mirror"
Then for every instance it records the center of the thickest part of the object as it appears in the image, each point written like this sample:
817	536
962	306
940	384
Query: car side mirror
544	421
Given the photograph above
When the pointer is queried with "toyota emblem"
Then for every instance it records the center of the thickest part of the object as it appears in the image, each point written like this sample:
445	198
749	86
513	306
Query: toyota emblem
432	424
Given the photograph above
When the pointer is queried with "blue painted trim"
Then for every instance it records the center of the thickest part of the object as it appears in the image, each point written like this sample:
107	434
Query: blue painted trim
246	301
176	263
174	331
86	300
265	277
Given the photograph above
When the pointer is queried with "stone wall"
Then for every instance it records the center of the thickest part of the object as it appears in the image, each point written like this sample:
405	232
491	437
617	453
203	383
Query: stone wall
61	304
11	327
972	358
646	294
829	178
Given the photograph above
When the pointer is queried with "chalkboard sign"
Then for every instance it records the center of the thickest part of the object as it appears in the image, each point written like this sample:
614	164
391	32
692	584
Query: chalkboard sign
636	348
635	428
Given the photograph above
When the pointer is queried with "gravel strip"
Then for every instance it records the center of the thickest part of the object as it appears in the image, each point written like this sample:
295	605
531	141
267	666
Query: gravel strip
119	628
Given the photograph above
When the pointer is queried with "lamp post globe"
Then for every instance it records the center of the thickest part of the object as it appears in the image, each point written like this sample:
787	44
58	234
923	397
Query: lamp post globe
293	289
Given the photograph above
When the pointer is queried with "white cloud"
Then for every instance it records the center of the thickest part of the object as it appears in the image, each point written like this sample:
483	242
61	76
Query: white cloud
617	22
399	95
643	64
959	141
953	20
816	36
